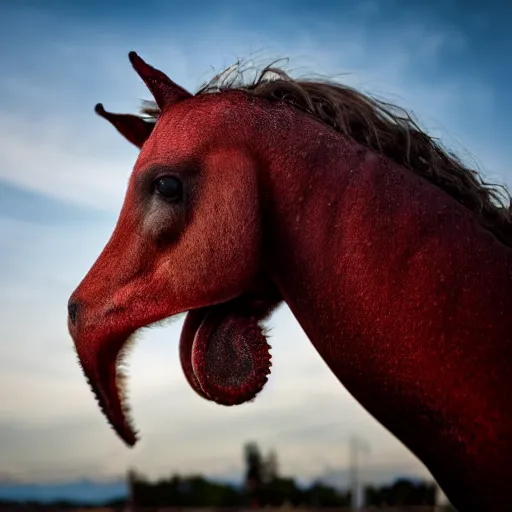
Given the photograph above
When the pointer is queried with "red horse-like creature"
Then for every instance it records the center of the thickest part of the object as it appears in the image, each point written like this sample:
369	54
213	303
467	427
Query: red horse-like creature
394	257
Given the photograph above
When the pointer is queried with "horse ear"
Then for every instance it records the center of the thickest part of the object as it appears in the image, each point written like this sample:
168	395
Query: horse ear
164	90
133	128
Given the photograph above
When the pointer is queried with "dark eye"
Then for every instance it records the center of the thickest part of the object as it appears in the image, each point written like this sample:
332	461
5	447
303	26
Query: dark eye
169	187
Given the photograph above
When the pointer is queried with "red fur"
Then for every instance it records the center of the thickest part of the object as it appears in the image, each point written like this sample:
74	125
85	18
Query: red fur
402	292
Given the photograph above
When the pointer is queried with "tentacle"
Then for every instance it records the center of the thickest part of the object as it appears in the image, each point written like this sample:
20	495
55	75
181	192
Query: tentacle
223	348
230	357
191	325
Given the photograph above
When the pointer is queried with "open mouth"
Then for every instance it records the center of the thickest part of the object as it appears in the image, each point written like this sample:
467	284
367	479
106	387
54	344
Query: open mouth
223	352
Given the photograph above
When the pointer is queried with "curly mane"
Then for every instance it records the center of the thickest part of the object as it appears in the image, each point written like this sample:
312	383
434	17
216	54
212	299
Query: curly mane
380	126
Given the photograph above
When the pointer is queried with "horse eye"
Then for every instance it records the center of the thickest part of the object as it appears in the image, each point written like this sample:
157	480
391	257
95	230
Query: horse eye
169	187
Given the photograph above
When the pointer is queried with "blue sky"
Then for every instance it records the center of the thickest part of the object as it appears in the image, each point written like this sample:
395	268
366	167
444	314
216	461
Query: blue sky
63	174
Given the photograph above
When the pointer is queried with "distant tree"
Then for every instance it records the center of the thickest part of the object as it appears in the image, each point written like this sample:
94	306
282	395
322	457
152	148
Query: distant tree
270	467
264	487
281	491
320	495
192	491
254	473
401	493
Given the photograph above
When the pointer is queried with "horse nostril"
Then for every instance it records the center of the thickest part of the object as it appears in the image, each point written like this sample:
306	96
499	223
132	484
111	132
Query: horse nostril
72	311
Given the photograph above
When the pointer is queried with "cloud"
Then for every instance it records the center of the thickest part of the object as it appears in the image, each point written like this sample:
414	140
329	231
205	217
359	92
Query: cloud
76	156
43	156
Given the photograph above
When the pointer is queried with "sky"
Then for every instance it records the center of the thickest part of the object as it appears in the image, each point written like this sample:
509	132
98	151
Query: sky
63	175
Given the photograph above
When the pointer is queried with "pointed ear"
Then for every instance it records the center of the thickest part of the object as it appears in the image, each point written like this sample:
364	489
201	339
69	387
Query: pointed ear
134	128
164	90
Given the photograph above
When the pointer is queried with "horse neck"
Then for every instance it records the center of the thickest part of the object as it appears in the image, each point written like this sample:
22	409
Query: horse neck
402	293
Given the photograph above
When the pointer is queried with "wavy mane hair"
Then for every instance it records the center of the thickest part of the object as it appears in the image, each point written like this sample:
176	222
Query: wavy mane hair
379	125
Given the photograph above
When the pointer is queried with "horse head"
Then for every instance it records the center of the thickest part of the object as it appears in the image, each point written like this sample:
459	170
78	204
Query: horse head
193	171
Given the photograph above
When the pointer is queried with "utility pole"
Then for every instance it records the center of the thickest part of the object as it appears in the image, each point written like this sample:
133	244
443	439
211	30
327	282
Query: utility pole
130	501
356	446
